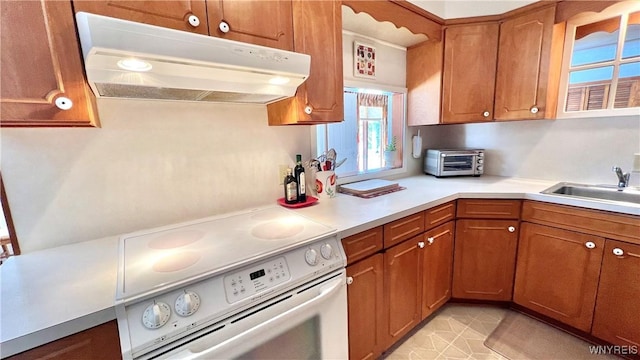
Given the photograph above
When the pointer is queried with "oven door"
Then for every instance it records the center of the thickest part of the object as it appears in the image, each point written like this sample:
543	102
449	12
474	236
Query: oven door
458	164
309	322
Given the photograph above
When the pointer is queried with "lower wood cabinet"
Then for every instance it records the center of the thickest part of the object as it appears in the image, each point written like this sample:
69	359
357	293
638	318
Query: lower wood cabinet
618	302
365	308
100	343
557	273
402	289
437	266
484	259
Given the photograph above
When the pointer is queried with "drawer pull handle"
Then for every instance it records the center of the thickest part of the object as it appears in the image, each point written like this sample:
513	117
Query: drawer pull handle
430	240
511	229
590	245
224	27
349	280
618	252
63	103
421	244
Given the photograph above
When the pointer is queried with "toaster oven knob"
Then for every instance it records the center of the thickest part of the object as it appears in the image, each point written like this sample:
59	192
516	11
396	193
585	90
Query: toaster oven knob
156	315
311	257
480	167
187	303
480	161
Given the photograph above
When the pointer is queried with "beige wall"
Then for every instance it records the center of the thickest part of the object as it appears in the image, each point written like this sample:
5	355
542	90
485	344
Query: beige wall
151	164
578	150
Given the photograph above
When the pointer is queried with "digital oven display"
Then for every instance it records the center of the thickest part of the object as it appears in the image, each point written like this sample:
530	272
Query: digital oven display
256	274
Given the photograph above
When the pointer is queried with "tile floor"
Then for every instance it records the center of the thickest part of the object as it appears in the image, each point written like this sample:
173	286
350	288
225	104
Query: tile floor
457	331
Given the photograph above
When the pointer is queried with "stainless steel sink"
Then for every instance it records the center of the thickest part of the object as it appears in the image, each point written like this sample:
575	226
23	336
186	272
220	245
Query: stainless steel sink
595	192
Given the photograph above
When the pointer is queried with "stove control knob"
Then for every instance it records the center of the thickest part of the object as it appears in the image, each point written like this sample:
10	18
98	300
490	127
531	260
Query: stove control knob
187	303
326	251
156	315
311	257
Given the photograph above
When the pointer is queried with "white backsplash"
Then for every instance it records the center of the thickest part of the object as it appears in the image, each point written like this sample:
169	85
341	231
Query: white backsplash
151	164
578	150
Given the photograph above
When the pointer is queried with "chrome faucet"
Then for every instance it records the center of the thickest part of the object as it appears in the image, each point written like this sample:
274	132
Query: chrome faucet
623	178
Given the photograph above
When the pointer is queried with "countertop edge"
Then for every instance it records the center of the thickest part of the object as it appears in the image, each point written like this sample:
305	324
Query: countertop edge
56	332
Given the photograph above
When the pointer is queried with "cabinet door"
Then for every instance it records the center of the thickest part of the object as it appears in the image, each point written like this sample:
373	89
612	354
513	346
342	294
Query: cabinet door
41	67
557	273
100	343
317	27
617	307
365	298
524	54
437	264
174	14
484	259
470	56
402	289
266	23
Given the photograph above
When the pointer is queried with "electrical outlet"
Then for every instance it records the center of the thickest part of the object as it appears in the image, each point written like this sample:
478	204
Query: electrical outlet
282	172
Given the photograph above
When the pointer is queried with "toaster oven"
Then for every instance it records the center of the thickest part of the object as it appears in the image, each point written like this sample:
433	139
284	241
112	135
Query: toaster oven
454	162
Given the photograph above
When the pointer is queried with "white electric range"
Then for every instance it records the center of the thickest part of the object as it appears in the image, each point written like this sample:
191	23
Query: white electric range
183	289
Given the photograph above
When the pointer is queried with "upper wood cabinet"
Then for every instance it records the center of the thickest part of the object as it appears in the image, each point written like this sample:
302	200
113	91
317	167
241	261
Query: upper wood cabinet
468	79
41	68
317	28
185	15
524	53
267	23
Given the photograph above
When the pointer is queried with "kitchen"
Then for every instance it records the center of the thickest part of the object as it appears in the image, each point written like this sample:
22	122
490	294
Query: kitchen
149	166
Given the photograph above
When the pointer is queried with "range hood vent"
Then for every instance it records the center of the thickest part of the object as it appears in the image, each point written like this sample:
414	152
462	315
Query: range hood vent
125	59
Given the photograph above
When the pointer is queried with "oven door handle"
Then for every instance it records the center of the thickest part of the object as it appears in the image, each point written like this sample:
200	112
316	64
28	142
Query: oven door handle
324	292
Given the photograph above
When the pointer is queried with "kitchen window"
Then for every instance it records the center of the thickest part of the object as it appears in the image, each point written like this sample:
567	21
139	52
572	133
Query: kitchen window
371	136
601	63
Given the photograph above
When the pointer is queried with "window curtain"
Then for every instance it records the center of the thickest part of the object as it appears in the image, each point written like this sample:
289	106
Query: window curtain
376	100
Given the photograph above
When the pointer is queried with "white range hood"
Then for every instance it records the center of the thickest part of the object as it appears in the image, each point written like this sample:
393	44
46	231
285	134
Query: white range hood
125	59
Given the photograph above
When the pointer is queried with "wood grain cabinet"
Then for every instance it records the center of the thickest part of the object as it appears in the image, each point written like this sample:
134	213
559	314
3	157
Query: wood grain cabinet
617	304
258	22
185	15
41	67
365	306
485	248
484	259
437	266
317	28
468	79
402	289
557	273
99	343
524	53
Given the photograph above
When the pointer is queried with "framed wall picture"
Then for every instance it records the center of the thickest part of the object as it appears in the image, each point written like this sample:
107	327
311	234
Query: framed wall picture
364	60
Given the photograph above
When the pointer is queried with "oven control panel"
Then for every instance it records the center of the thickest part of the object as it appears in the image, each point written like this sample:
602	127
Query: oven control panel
250	281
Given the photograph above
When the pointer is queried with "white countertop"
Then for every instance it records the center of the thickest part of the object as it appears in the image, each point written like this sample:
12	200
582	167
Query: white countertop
49	294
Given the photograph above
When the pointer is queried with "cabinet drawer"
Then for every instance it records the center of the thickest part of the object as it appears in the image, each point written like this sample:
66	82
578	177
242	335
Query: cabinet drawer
363	244
403	229
609	225
439	215
489	209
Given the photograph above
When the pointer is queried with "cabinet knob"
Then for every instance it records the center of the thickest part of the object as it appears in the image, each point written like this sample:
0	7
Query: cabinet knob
430	240
224	27
618	252
590	245
486	114
421	244
349	280
308	110
534	110
63	103
193	20
511	228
